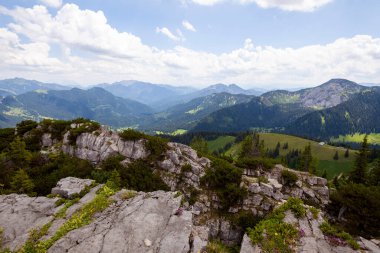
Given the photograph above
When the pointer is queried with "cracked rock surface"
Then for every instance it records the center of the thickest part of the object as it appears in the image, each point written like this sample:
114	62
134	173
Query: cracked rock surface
19	214
145	223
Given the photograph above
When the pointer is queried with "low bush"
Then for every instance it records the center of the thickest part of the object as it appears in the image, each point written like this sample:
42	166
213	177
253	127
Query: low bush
289	177
224	179
275	235
334	233
256	163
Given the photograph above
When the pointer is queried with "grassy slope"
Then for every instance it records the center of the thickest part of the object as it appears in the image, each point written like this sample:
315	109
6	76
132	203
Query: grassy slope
372	138
324	153
219	142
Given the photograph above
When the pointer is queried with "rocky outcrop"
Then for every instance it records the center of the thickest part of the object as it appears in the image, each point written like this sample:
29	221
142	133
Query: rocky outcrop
70	186
312	239
146	222
171	168
101	144
19	214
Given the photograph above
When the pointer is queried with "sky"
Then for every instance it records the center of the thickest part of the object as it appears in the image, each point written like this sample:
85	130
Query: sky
268	44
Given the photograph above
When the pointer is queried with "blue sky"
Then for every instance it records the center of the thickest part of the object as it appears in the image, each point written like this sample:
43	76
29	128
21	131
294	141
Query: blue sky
253	43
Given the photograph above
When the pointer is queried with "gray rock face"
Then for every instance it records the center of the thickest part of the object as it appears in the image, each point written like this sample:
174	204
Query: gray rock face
70	186
177	156
247	247
145	223
96	147
19	214
148	222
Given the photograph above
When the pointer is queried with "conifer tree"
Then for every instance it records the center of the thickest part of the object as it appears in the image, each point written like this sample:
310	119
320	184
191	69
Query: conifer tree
18	153
276	152
358	174
324	175
336	156
21	183
199	144
306	161
375	174
347	153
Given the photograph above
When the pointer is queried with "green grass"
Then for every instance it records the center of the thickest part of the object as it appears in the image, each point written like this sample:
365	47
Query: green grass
219	143
373	138
334	167
324	153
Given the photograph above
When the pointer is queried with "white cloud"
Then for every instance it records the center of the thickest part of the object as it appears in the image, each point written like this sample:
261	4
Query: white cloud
287	5
52	3
165	31
187	25
95	52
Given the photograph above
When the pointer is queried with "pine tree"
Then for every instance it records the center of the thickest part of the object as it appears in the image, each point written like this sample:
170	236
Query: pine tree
347	153
336	156
114	181
286	146
18	153
21	183
276	152
199	144
324	175
306	161
375	174
358	174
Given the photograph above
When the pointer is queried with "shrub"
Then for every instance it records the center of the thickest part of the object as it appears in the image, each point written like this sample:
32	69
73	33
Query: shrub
25	126
314	211
273	234
331	231
131	135
140	177
157	146
363	208
87	127
224	179
256	163
289	177
218	247
21	183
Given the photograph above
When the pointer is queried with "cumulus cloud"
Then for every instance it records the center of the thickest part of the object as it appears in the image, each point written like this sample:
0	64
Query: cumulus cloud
95	52
188	26
287	5
52	3
165	31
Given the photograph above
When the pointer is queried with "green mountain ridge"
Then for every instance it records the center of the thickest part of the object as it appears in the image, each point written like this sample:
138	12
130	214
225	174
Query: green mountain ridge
95	103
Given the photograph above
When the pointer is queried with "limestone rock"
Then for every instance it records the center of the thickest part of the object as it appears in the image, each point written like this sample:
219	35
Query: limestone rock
19	214
145	223
70	186
247	247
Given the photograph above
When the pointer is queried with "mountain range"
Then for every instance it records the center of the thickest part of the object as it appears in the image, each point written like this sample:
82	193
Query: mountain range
338	106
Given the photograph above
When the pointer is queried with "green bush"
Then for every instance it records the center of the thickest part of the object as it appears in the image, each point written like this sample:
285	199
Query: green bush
25	126
224	178
140	177
132	135
157	146
7	135
255	163
275	235
289	177
218	247
329	230
87	127
362	204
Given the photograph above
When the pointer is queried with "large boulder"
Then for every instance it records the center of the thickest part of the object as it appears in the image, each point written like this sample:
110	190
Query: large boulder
70	186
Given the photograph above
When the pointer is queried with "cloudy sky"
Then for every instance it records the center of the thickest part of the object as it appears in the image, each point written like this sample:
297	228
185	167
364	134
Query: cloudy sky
253	43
